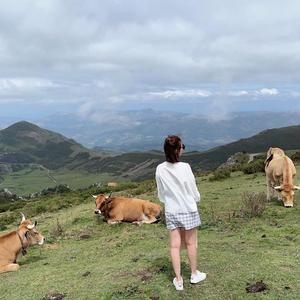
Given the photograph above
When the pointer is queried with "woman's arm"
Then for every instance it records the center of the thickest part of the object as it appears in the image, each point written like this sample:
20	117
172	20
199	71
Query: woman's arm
160	187
194	187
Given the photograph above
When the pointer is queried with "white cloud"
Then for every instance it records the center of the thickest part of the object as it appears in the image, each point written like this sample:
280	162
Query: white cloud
8	84
114	53
268	92
181	93
295	94
238	93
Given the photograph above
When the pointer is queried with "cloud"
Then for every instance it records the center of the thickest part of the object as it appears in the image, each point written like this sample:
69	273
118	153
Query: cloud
181	93
112	54
267	92
24	84
238	93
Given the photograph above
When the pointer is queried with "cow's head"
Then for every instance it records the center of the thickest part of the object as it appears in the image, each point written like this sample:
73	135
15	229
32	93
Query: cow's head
30	232
99	200
287	192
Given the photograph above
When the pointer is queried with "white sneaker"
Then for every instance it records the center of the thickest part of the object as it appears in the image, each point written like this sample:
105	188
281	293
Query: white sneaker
199	276
178	284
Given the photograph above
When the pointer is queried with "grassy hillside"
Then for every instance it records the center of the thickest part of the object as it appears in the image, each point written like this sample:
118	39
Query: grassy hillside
141	165
25	146
30	180
285	138
84	258
24	142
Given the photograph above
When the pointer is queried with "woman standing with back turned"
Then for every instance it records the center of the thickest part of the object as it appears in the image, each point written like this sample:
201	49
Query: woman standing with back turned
177	189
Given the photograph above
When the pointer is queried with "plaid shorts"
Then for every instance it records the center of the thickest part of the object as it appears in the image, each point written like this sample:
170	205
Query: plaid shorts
187	220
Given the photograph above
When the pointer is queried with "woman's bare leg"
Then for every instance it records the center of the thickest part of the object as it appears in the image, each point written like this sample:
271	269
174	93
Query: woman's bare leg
175	242
191	240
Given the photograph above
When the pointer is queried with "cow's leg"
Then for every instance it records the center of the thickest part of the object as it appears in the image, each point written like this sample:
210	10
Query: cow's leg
146	220
270	190
138	222
113	221
150	220
9	268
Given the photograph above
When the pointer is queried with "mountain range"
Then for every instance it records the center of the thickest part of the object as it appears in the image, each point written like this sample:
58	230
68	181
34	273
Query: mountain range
24	143
141	130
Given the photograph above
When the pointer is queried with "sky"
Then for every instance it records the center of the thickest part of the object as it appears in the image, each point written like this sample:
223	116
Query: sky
209	57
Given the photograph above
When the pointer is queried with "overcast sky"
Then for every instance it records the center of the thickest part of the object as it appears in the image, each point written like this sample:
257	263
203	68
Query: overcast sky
201	56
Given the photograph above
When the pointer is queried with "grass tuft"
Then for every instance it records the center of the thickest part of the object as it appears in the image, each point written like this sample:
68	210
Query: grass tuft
253	204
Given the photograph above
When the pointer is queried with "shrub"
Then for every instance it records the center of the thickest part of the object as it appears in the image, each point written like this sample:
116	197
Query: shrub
253	204
57	231
220	174
59	189
295	157
39	208
144	187
254	166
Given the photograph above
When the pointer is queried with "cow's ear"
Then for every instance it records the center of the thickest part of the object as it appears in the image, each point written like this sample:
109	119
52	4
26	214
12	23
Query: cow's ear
35	223
296	187
269	158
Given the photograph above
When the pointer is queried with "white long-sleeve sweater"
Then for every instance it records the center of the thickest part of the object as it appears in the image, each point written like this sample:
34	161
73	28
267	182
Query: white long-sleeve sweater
176	186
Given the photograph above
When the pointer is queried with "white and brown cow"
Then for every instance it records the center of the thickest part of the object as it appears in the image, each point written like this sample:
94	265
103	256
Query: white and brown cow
280	172
15	243
118	209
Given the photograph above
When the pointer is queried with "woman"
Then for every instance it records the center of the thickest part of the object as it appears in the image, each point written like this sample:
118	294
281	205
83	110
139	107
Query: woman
177	189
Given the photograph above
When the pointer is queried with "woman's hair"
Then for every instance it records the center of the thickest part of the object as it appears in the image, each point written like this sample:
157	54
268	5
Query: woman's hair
172	148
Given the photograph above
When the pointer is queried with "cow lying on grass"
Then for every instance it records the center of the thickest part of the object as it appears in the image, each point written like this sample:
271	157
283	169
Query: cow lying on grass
280	172
15	243
118	209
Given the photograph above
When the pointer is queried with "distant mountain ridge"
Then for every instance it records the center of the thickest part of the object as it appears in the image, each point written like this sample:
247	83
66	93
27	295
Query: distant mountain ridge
24	142
141	130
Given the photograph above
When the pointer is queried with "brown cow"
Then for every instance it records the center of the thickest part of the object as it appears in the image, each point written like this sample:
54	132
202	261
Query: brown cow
15	243
118	209
280	172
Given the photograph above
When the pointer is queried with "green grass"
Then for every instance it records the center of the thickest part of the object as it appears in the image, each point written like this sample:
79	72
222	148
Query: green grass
131	262
29	180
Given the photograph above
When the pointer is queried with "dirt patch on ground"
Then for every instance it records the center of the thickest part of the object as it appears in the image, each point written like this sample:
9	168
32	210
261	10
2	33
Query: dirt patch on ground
86	274
128	291
145	274
51	246
257	287
84	234
55	296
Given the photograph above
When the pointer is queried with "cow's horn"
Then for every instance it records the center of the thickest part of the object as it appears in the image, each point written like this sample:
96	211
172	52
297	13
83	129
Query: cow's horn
277	187
296	187
94	196
23	217
30	226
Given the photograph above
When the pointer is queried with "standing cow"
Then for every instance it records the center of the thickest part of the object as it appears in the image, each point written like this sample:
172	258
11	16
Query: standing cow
280	172
15	243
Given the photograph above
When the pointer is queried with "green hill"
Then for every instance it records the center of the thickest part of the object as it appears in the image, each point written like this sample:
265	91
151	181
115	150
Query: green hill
141	165
84	258
286	138
24	142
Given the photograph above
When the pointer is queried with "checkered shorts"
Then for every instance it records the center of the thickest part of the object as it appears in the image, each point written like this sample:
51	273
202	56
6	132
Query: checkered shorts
187	220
